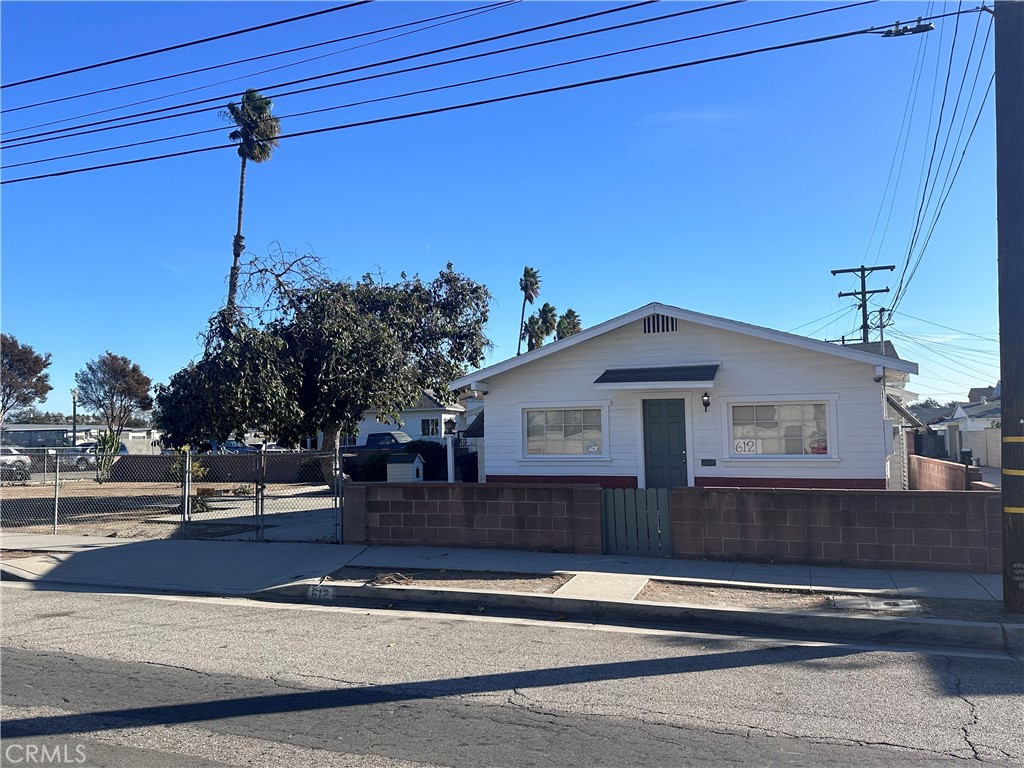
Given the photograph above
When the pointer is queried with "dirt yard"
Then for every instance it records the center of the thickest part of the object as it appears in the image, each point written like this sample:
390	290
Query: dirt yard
544	584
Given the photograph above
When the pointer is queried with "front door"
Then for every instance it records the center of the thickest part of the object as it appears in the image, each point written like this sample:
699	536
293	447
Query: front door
665	443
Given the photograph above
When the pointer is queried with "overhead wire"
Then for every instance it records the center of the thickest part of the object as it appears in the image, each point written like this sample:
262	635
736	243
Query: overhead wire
906	125
424	90
188	44
477	103
236	62
465	15
396	60
928	216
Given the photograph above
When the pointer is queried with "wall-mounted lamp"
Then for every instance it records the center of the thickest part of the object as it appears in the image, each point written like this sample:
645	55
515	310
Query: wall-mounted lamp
706	400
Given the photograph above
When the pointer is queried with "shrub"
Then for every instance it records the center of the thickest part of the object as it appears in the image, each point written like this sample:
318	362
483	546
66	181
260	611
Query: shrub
435	458
373	469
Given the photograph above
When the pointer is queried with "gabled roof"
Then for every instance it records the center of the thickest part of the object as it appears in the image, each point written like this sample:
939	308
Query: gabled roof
989	410
876	347
709	321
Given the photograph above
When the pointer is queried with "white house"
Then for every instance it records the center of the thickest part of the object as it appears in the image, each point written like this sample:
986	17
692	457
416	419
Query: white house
424	421
662	396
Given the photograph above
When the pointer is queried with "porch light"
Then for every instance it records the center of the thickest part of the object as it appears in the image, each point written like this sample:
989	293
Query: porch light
706	400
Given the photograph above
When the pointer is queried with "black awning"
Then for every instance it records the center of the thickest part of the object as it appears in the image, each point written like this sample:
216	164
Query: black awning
682	374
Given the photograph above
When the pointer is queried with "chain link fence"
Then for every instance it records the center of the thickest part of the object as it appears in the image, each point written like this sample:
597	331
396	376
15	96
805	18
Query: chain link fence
252	496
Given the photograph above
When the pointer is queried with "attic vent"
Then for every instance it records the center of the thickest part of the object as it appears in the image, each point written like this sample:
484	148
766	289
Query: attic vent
660	324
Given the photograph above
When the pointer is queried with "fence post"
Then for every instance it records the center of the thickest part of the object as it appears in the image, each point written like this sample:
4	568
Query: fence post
261	484
186	493
339	493
56	489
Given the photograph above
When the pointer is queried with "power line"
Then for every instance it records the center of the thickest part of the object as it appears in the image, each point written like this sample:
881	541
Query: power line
815	320
946	327
949	189
188	44
475	81
199	70
480	41
481	102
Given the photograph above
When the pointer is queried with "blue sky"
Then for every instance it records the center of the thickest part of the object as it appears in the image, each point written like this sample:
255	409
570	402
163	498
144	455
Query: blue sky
730	188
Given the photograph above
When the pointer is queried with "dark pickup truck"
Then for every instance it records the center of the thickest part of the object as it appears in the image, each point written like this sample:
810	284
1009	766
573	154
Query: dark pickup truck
388	441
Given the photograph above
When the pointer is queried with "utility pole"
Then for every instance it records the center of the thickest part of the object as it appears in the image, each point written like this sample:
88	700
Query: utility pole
1009	39
863	293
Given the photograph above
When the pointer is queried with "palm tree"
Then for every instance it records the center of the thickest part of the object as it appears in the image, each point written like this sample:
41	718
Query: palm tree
548	316
568	324
529	284
256	132
533	332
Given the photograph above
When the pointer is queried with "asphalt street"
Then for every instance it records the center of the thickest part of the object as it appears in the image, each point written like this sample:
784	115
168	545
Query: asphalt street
171	681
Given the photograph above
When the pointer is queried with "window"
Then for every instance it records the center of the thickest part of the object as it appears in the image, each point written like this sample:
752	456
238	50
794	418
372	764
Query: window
564	432
430	427
781	429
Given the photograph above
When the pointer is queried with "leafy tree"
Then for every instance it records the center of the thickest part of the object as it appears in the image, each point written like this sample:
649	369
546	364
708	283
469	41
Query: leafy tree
256	132
378	345
23	376
336	350
116	388
529	284
240	382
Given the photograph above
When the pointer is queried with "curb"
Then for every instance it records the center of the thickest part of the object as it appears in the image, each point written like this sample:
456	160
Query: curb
990	636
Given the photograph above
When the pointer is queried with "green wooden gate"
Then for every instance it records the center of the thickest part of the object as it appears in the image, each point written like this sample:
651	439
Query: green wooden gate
636	522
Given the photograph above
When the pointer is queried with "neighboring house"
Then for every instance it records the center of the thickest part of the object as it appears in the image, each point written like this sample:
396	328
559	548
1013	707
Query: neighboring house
663	396
974	427
424	421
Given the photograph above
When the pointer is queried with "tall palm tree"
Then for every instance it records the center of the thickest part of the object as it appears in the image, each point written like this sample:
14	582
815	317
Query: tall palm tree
256	132
529	284
568	324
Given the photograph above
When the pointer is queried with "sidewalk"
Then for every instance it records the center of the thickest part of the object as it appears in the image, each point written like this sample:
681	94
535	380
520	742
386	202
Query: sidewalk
601	586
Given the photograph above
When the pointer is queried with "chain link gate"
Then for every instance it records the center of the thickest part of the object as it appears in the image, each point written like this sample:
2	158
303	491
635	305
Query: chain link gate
258	496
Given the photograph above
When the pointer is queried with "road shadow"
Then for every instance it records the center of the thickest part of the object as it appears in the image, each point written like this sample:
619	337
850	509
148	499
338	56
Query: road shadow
368	695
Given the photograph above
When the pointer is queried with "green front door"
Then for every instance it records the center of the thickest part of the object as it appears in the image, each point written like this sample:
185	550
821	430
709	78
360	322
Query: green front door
665	443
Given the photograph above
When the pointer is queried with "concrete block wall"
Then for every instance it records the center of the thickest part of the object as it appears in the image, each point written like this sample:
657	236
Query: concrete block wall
544	518
936	475
896	529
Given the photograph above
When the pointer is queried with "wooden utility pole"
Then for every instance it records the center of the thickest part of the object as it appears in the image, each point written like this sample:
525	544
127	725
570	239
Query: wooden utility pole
863	293
1009	36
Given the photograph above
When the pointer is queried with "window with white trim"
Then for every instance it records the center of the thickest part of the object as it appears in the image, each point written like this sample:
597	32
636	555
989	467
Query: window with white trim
564	432
430	427
779	429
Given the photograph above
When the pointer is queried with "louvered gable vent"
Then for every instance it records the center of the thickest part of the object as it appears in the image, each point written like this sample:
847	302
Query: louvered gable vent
660	324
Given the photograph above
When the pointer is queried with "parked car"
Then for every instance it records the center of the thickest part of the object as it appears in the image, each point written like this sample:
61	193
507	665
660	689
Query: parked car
386	439
77	457
90	448
14	472
11	457
227	446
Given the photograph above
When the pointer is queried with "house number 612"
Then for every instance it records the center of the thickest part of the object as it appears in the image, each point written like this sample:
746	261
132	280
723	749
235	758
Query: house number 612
744	446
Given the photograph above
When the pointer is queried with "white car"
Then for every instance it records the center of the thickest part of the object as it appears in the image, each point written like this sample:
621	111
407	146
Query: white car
11	457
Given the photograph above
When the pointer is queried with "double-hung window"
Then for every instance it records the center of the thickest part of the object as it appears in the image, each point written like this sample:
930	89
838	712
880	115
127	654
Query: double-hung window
779	429
564	432
430	427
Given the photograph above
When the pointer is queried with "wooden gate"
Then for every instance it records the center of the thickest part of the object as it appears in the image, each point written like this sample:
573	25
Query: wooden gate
636	522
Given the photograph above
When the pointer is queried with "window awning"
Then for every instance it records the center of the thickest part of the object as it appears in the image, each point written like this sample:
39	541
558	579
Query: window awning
673	377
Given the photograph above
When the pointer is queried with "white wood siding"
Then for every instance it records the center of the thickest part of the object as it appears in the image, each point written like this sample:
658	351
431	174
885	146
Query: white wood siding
750	367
